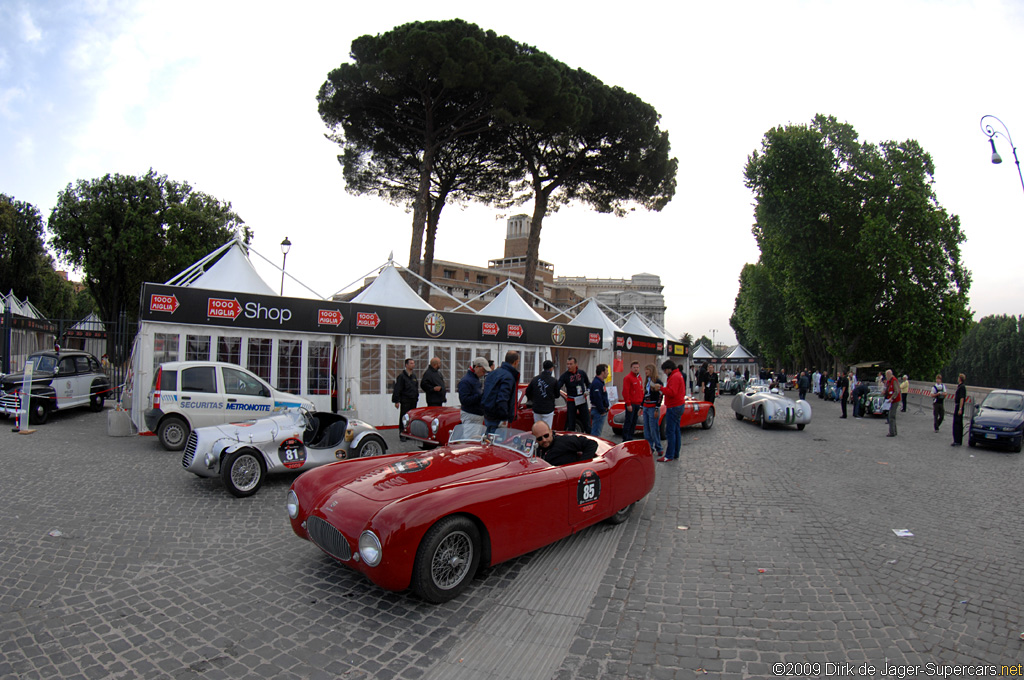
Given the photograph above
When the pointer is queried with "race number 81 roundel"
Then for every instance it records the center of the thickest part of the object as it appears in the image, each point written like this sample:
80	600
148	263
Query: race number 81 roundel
292	453
588	489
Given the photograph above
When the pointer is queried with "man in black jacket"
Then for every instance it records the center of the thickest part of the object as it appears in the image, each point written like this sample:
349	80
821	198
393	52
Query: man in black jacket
562	449
574	386
433	384
406	392
542	391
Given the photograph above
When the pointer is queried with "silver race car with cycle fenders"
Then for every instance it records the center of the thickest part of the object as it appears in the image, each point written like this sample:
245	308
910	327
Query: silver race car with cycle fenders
242	454
766	407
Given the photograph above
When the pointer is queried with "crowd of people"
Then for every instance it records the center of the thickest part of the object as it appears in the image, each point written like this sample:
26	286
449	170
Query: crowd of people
487	395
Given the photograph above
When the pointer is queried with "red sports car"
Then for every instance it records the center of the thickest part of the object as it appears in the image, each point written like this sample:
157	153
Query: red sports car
432	425
696	413
430	520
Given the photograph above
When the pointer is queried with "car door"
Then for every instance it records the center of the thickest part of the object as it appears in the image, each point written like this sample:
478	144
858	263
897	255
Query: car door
245	395
199	397
588	491
693	412
65	382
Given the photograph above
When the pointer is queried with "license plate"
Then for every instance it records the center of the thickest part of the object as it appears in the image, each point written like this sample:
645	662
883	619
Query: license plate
990	436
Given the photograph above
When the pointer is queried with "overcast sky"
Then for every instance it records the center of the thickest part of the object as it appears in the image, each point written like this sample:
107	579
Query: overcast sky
223	95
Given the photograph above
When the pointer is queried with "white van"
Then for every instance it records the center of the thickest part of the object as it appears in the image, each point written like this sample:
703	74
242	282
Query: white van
190	394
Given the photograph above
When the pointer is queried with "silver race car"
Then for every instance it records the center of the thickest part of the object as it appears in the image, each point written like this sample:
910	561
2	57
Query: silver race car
243	453
767	407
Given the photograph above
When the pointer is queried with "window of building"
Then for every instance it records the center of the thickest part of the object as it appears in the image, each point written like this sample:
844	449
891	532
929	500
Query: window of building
229	350
527	364
396	362
421	355
289	366
369	369
463	361
197	348
481	279
318	367
165	348
449	273
260	355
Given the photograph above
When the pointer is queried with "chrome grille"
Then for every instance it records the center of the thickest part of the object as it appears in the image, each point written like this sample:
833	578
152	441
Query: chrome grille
9	401
418	428
329	539
190	450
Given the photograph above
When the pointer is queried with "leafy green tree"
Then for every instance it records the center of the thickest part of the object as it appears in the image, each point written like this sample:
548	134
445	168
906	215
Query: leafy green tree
122	231
991	354
581	140
416	97
23	256
759	317
866	261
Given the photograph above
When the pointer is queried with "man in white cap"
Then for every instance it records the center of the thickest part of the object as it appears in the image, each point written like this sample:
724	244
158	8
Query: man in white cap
471	389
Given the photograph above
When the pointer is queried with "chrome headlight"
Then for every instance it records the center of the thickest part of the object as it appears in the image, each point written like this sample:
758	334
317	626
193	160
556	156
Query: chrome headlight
369	548
405	421
210	459
292	503
799	412
434	425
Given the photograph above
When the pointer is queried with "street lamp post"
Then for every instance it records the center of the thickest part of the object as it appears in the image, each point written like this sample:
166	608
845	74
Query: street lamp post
992	134
713	331
286	245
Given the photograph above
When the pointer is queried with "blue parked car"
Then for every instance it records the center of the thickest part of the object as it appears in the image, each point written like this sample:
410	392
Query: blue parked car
999	420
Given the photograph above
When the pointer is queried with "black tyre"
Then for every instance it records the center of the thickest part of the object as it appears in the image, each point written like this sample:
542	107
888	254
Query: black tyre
661	430
173	432
1016	447
622	515
739	416
761	420
242	472
971	442
801	426
709	420
446	560
371	445
580	427
38	411
96	400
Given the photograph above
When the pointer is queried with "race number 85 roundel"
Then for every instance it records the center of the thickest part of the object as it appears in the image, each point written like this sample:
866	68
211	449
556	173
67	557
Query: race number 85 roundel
588	489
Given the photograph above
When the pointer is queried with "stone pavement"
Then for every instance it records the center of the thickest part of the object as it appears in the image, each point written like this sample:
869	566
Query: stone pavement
756	548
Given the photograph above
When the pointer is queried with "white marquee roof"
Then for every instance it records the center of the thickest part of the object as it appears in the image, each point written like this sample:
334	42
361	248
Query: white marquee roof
702	352
739	352
231	271
635	326
592	317
389	289
509	304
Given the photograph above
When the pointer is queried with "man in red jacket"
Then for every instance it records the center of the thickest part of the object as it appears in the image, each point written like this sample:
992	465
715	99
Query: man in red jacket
892	396
633	395
674	392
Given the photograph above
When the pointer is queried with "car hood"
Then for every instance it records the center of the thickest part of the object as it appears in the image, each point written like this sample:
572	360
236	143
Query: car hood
431	469
17	379
262	429
428	413
998	418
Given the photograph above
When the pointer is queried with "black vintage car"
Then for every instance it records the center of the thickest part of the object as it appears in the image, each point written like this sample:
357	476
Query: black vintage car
60	380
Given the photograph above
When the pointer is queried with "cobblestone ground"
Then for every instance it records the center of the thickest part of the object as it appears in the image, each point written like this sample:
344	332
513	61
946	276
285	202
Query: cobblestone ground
755	548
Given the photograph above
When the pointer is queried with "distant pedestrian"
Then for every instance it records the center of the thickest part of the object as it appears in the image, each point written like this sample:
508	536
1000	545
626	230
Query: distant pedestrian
892	398
499	398
823	393
959	404
599	400
859	393
904	392
843	387
633	396
674	392
652	409
405	392
710	385
816	382
574	386
803	383
541	392
471	392
434	384
938	402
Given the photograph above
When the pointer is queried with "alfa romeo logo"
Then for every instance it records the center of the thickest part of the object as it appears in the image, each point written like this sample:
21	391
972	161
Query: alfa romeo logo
433	324
629	342
558	335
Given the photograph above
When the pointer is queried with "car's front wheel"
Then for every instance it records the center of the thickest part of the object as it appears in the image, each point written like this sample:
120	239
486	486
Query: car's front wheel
370	446
447	558
709	420
96	400
38	411
622	515
173	433
801	426
739	416
242	472
761	420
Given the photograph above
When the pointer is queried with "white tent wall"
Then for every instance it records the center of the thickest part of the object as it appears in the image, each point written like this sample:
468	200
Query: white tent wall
262	352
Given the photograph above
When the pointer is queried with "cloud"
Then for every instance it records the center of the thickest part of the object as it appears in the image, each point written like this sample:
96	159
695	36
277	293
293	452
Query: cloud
30	33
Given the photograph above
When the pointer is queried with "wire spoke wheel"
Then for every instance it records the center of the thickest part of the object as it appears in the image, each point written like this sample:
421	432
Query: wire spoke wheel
451	561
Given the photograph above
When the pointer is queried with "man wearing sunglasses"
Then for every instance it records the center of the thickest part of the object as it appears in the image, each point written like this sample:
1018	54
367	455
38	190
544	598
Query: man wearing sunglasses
562	449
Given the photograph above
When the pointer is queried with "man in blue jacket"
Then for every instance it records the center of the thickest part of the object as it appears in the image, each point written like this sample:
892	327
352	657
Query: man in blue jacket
499	398
599	400
471	392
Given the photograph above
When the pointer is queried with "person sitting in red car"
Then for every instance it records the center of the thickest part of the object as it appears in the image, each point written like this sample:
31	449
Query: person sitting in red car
562	449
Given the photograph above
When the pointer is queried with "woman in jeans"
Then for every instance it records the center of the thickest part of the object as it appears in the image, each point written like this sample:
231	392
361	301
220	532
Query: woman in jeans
652	400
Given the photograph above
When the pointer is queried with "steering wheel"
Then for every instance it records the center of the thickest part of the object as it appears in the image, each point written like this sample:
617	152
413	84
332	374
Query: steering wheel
307	419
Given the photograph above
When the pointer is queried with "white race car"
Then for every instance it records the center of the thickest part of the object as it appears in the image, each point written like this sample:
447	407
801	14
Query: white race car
767	407
243	453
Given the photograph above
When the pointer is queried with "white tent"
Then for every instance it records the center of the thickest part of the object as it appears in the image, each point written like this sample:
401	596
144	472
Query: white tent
509	304
635	326
702	352
389	289
592	316
738	352
227	269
